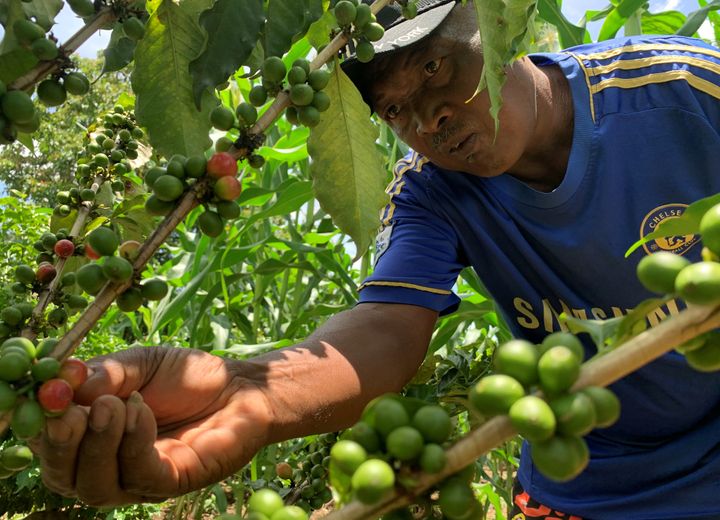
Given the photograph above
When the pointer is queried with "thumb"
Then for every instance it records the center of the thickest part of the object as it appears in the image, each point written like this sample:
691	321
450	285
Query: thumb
118	374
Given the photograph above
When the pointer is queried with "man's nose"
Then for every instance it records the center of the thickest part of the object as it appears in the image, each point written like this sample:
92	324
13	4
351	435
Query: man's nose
432	120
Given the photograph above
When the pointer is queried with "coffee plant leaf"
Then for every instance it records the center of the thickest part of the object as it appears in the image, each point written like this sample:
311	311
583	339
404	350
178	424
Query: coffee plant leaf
348	173
686	224
162	85
503	29
15	60
120	50
318	33
43	11
288	20
232	29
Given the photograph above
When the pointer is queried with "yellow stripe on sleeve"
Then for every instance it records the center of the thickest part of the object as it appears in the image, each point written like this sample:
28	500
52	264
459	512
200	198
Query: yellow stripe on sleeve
661	77
655	60
397	185
642	47
587	82
406	286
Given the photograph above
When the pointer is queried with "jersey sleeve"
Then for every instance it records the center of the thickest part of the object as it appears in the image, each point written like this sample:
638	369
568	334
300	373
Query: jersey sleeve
417	255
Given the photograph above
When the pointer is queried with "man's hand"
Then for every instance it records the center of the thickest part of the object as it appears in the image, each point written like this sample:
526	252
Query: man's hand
159	423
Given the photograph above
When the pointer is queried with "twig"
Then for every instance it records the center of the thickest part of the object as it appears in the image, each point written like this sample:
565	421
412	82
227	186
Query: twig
28	80
47	295
602	371
107	295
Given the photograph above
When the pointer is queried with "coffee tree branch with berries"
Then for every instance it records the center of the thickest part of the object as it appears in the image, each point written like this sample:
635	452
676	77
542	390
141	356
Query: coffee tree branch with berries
154	160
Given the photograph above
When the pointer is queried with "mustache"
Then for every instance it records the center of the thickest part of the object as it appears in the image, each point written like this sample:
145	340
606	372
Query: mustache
445	133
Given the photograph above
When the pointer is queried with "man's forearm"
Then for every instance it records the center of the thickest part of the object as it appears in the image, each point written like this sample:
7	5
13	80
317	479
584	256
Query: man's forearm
323	383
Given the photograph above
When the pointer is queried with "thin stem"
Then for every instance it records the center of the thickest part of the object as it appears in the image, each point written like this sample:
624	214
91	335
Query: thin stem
603	371
28	80
48	294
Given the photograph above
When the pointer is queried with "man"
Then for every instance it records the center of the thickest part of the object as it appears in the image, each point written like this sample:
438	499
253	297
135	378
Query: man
594	145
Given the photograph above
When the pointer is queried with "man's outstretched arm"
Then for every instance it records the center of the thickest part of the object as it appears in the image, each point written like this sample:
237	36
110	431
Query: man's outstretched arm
163	422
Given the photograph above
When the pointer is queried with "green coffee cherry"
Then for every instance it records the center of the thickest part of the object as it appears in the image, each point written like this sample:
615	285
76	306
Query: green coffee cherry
374	31
301	95
273	69
345	12
246	113
318	79
258	95
364	51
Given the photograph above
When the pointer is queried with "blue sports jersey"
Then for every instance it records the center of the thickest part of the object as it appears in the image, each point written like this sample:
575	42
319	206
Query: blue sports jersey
646	144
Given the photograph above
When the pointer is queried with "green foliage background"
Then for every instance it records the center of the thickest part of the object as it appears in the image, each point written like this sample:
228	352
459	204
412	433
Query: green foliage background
284	267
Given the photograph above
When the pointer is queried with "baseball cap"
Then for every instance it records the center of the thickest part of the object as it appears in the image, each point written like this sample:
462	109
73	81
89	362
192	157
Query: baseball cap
399	33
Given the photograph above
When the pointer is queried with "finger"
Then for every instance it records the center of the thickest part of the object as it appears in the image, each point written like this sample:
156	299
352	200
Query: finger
98	480
145	471
58	448
118	374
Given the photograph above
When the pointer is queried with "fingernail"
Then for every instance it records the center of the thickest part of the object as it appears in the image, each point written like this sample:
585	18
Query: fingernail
58	432
100	417
133	411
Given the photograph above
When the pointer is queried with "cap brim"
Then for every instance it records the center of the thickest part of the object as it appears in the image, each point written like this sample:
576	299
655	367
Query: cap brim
404	34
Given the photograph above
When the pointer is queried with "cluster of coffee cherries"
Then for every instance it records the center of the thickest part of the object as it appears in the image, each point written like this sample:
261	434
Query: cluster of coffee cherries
395	438
698	283
303	85
17	110
170	182
356	19
109	152
309	481
33	386
554	420
102	244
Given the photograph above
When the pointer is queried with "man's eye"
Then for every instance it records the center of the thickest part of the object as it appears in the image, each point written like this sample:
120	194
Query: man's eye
432	67
392	112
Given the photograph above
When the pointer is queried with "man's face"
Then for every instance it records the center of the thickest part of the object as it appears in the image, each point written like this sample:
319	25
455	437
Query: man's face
423	95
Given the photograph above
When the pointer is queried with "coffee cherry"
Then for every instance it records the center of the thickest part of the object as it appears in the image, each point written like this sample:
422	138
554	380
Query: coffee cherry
55	395
227	188
74	371
103	240
221	164
64	248
51	92
76	83
130	300
45	273
273	69
222	118
258	95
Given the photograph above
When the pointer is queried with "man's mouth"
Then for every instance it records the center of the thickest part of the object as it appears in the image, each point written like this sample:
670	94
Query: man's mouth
463	144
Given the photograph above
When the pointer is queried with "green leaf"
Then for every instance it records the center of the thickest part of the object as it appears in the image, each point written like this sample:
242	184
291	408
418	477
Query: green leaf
686	224
15	60
503	28
617	18
43	11
601	331
569	33
120	50
288	20
347	170
232	29
163	86
714	18
667	22
696	19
